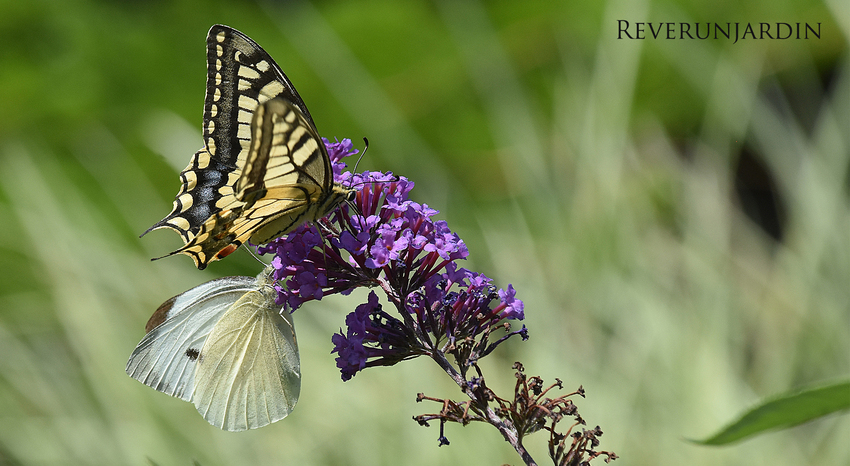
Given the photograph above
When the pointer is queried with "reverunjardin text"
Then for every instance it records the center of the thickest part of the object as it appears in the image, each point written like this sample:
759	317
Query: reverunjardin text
703	31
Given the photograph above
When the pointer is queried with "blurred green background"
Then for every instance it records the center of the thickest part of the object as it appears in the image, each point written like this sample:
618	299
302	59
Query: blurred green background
674	213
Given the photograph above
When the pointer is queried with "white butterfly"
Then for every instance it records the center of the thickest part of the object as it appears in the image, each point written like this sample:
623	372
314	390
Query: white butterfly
224	346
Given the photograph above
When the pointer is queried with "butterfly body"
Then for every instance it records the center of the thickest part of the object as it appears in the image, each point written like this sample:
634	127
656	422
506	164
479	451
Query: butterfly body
264	169
225	347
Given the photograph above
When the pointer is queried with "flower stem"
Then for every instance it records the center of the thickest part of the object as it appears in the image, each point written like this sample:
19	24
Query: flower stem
505	427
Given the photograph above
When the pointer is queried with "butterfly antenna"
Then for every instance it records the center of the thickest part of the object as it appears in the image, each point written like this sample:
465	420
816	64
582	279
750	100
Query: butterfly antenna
254	255
365	148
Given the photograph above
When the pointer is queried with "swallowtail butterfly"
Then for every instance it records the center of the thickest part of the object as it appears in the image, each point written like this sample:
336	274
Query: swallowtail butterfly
263	171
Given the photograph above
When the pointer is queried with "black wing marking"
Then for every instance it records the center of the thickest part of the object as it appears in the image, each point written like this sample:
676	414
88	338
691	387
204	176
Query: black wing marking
240	76
286	169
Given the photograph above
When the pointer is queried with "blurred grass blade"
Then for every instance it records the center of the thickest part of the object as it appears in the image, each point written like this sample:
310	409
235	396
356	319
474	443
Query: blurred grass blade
785	411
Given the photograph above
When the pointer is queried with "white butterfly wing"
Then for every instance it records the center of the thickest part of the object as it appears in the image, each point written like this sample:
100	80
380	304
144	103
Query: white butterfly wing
165	359
248	372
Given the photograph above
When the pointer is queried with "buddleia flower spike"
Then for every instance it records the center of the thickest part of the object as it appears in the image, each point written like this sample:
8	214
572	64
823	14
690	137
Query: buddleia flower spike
431	307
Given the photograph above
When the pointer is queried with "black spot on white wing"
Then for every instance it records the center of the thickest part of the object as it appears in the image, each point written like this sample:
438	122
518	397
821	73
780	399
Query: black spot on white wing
192	354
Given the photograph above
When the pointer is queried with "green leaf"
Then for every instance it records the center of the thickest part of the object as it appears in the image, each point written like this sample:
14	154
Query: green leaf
785	411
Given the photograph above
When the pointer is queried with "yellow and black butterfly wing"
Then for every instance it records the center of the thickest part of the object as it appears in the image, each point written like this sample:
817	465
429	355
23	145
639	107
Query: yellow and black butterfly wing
240	76
285	150
287	180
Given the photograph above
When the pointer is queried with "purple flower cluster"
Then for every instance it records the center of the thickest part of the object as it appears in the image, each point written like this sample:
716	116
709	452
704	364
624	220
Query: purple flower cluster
373	338
465	312
385	239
